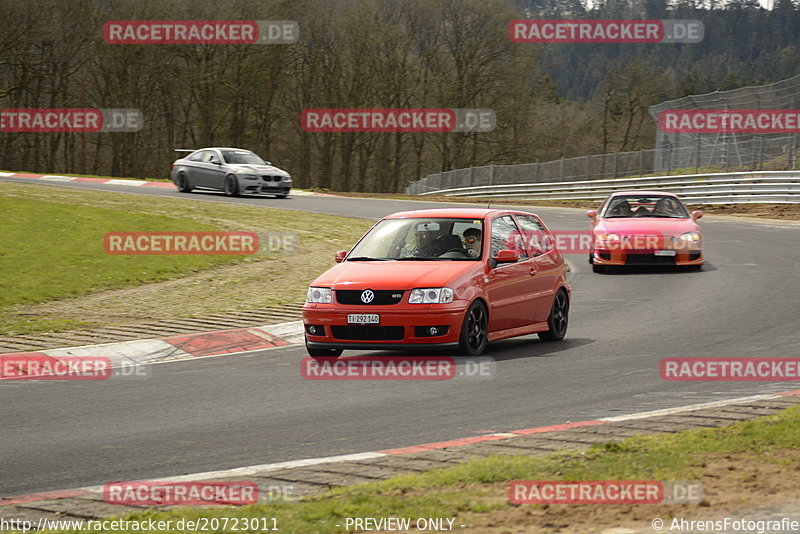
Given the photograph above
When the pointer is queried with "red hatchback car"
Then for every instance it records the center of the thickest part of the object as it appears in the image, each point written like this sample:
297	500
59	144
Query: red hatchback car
440	279
645	228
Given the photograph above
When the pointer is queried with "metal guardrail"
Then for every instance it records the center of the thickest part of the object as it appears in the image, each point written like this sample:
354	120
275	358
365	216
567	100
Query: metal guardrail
774	187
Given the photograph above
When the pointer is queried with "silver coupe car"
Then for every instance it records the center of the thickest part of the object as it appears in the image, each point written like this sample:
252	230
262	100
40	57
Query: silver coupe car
232	170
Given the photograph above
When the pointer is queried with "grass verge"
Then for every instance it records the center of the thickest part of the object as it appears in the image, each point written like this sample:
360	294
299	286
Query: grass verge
52	251
56	275
738	466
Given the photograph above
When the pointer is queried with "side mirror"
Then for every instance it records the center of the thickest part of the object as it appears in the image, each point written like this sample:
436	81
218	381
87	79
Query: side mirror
507	256
592	214
216	162
696	214
268	162
340	256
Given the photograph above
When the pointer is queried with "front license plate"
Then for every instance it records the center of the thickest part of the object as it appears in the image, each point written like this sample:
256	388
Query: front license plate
363	318
664	253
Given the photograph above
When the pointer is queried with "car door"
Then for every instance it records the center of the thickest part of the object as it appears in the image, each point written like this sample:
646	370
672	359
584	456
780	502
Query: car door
548	260
215	169
200	174
193	166
508	283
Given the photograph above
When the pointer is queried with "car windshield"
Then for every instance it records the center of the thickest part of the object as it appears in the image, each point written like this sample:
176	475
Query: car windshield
242	157
658	206
420	239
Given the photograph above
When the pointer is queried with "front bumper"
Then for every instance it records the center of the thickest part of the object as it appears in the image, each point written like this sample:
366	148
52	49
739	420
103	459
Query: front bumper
270	185
646	257
401	326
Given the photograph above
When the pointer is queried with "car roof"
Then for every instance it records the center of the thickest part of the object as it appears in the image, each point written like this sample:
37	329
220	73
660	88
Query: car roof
222	148
458	213
643	193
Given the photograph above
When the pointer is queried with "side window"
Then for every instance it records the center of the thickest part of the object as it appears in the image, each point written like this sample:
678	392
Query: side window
537	239
506	236
197	156
210	157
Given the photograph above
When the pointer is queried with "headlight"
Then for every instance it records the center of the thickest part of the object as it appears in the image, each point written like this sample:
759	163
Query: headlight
691	237
287	178
249	176
605	240
321	295
431	295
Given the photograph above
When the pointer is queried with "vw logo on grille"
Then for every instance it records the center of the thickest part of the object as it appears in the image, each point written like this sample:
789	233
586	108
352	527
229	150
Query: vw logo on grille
367	296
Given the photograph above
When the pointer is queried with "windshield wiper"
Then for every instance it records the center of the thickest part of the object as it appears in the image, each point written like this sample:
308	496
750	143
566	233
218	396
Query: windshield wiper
366	258
416	258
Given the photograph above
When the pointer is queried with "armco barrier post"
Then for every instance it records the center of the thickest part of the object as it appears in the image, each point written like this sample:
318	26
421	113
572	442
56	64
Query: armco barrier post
669	158
561	170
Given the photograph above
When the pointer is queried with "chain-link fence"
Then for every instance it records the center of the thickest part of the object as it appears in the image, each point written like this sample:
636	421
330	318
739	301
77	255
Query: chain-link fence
758	153
565	169
674	152
729	149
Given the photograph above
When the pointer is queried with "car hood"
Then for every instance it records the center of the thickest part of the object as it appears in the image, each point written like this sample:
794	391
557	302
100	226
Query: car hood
257	169
646	226
393	274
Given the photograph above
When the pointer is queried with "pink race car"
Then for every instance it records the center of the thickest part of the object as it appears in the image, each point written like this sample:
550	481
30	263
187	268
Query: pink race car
645	228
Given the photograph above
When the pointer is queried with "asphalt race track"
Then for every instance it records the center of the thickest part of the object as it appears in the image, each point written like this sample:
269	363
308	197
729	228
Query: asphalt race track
233	411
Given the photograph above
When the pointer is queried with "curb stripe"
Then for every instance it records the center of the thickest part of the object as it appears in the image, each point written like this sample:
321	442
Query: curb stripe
444	444
120	181
556	428
43	496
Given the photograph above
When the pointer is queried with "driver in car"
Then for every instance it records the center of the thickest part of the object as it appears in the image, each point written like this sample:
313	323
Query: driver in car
665	207
621	209
472	242
423	243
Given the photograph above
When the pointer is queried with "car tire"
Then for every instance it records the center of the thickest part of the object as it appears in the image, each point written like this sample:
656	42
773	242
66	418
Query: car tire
558	320
474	330
598	268
323	354
184	186
231	187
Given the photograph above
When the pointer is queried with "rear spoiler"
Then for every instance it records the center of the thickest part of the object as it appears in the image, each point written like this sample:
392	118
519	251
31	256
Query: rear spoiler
184	149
